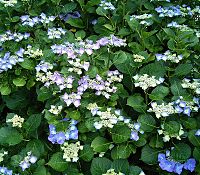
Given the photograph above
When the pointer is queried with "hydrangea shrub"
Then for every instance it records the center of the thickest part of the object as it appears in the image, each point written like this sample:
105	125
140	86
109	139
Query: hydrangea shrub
99	87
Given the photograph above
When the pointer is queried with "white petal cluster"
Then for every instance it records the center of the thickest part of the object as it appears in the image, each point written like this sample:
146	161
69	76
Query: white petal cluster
33	52
2	155
145	81
71	151
55	109
55	32
195	85
107	119
167	136
162	110
169	56
114	76
8	3
138	58
8	36
107	5
78	65
16	121
112	172
143	16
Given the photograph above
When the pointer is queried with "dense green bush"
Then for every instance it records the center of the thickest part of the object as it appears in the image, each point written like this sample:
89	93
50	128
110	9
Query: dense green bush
96	87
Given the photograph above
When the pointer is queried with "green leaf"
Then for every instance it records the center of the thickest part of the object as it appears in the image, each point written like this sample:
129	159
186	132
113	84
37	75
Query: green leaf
183	69
57	163
74	115
156	142
101	11
119	58
149	155
69	7
76	22
10	136
56	1
159	93
181	152
100	144
100	165
123	151
120	133
154	69
19	81
28	64
135	170
17	100
15	160
121	165
169	32
196	154
36	147
87	153
172	127
5	90
195	140
43	94
40	170
33	122
176	88
137	103
147	122
80	34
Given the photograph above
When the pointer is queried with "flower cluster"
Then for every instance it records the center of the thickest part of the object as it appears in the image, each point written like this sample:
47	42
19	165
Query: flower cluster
2	154
162	110
112	172
195	85
168	136
145	81
102	87
32	52
27	20
8	36
138	58
49	78
8	3
77	65
8	60
55	109
5	171
73	98
107	119
55	32
144	18
60	137
106	5
135	129
73	50
71	151
186	107
16	121
172	11
28	160
170	165
168	56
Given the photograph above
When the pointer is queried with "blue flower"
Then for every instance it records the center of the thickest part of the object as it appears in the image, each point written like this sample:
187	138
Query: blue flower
187	111
190	165
197	132
178	168
60	137
65	17
167	165
161	157
134	136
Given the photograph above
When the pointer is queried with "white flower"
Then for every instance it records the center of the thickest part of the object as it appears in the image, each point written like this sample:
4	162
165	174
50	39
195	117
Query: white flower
16	121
